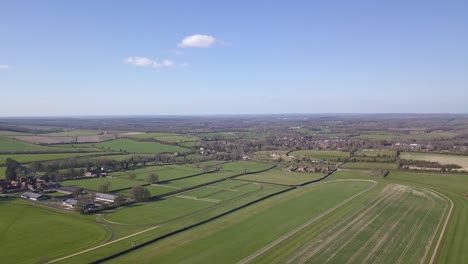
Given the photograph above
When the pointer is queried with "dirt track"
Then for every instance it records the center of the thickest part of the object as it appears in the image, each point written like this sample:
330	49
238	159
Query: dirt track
442	232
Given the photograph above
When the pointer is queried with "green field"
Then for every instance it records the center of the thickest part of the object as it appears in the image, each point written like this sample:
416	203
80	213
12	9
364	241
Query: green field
8	145
166	137
157	212
166	172
282	177
441	158
252	227
24	158
94	183
454	186
33	233
394	226
2	172
375	153
370	165
132	146
321	154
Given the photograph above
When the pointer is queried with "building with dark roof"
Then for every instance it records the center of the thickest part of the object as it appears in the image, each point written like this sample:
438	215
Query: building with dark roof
34	196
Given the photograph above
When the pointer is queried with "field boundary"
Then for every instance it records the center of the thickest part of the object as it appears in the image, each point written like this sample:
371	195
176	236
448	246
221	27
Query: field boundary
444	227
307	224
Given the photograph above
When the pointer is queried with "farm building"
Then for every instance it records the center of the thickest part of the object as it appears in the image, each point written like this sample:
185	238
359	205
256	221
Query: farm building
70	202
69	190
34	196
103	197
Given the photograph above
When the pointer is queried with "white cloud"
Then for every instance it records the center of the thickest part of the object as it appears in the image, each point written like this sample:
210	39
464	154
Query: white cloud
198	41
4	66
145	62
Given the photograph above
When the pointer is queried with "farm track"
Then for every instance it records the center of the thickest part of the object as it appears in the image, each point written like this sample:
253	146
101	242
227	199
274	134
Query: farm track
442	232
302	227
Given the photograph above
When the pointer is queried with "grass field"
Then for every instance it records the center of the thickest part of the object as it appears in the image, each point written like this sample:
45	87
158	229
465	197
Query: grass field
396	226
8	145
455	242
33	233
166	137
133	146
166	172
375	153
252	227
282	177
94	183
321	154
370	165
2	172
24	158
441	158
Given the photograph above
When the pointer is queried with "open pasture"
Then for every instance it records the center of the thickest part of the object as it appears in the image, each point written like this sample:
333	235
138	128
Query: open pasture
165	137
441	158
8	145
370	165
321	154
252	227
2	172
279	176
399	225
375	153
166	172
133	146
25	158
94	183
157	212
33	233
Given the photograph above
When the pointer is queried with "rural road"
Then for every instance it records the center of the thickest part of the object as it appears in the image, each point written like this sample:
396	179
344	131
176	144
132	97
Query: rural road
305	225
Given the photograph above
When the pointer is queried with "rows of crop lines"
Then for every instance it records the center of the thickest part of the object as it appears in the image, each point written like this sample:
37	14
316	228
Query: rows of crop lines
398	225
231	238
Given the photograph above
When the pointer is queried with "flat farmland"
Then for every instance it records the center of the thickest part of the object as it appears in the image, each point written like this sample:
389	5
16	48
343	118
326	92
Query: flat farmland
441	158
454	186
166	172
8	145
179	205
24	158
321	154
375	153
94	183
399	225
34	233
133	146
370	165
166	137
252	227
279	176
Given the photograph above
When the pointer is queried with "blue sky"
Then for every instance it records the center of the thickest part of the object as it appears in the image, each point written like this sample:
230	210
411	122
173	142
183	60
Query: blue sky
232	57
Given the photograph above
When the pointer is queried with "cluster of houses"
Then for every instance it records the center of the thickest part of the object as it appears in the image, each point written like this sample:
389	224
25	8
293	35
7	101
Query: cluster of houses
325	169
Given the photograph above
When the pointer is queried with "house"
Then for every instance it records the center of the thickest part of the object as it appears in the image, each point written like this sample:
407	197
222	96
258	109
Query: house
70	202
95	172
34	196
49	185
104	197
69	190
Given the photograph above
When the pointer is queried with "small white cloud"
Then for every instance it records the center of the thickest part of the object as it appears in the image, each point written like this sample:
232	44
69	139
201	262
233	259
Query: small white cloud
4	66
198	41
145	62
